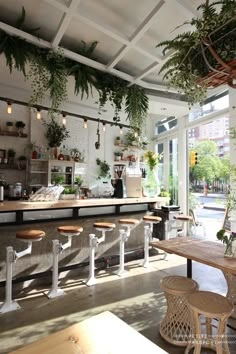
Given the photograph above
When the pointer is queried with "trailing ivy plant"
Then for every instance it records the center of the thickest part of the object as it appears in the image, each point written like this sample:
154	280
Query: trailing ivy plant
16	50
192	59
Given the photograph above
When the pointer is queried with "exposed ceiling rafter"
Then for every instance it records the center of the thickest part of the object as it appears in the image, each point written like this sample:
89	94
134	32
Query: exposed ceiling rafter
64	23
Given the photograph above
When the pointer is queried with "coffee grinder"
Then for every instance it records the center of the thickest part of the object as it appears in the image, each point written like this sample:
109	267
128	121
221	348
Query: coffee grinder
118	183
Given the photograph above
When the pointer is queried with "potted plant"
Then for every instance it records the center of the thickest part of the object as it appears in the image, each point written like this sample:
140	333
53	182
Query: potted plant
79	181
69	193
118	155
55	133
20	126
58	179
104	169
117	140
9	126
227	239
205	56
21	162
11	155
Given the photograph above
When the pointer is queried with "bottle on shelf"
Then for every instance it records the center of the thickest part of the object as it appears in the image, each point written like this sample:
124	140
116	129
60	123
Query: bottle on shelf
34	155
61	156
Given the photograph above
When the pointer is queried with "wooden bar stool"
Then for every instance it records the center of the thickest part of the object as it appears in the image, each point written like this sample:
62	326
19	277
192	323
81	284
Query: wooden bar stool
175	328
181	219
28	236
102	227
149	220
211	306
58	247
126	226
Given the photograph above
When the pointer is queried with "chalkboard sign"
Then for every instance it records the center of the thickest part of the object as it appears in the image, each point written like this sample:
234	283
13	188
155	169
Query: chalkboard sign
227	223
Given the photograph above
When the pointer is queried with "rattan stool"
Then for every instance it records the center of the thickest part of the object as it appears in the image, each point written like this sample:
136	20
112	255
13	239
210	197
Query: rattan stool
28	236
211	306
102	227
175	328
149	220
231	293
58	247
126	226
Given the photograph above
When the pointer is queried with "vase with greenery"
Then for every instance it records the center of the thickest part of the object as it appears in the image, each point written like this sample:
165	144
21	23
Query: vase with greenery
204	52
151	184
227	239
55	133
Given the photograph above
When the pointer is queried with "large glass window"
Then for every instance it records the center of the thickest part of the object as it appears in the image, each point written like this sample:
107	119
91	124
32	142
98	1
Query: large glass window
166	124
173	170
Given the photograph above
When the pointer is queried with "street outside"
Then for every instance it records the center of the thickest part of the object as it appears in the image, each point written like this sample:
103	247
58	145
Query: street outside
210	211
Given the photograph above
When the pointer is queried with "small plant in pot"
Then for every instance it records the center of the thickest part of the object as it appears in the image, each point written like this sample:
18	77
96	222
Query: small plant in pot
79	181
20	127
9	126
11	155
69	193
118	155
22	159
58	179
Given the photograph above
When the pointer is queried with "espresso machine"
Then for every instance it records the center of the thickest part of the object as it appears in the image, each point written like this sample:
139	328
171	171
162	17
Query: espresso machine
118	182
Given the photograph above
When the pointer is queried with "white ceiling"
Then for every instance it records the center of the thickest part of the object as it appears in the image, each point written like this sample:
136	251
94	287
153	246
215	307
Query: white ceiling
127	31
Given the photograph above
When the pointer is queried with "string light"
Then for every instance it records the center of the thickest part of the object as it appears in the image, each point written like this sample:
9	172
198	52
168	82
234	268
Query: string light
64	119
9	108
38	114
135	134
121	130
85	125
104	126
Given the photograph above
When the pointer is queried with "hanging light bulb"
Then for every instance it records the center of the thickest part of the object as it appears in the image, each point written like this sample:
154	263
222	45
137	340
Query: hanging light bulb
9	108
104	126
121	130
38	114
135	134
85	125
64	119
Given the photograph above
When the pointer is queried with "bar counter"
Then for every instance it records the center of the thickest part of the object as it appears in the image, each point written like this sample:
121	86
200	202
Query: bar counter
47	216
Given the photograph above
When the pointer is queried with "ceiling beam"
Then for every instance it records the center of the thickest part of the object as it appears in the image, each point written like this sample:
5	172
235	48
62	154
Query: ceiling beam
139	32
186	7
64	23
145	72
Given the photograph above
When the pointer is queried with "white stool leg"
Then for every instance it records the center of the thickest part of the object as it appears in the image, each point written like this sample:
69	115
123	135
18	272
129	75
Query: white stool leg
123	238
55	291
93	246
9	304
147	239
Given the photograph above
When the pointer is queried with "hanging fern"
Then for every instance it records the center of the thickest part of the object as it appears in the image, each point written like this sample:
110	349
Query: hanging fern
136	106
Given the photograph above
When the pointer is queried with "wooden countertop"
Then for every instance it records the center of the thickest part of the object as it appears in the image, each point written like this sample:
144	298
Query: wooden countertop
63	204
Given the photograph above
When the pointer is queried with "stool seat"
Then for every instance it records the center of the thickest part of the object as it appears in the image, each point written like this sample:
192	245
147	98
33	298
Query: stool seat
30	235
104	225
152	218
128	221
70	229
210	304
183	217
178	285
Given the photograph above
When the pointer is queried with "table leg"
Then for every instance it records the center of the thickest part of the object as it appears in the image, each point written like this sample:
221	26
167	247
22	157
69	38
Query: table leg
189	268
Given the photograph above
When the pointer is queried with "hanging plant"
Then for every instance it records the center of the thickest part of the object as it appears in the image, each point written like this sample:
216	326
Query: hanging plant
84	75
55	133
16	50
205	56
104	169
136	106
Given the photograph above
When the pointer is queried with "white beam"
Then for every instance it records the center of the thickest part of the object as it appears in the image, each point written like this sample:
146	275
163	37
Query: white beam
64	23
58	5
186	7
142	28
145	72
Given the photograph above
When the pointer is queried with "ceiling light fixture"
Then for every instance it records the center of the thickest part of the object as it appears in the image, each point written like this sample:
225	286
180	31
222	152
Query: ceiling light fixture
38	114
9	108
85	125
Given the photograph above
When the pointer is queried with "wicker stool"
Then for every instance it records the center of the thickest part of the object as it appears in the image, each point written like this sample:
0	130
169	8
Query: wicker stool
126	226
231	293
211	306
181	219
175	328
102	227
28	236
69	232
149	220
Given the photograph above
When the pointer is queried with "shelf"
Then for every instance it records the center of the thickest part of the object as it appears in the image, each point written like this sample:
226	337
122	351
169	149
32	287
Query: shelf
39	160
134	147
12	167
15	134
40	172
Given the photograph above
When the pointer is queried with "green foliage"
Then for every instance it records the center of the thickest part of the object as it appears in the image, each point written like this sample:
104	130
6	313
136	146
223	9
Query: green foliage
69	190
9	124
152	159
55	133
136	106
11	152
58	179
104	169
20	124
188	64
79	180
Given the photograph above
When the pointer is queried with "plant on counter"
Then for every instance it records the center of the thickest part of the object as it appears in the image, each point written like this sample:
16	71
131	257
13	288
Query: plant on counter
58	179
69	190
201	54
79	181
152	159
104	169
55	133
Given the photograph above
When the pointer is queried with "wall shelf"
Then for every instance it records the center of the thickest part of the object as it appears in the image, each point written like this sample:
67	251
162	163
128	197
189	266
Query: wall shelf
12	167
15	134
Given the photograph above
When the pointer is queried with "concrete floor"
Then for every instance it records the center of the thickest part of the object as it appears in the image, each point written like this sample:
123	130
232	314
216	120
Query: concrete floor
136	298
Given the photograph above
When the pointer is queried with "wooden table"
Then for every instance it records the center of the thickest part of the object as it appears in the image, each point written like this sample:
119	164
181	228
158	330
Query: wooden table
101	334
203	251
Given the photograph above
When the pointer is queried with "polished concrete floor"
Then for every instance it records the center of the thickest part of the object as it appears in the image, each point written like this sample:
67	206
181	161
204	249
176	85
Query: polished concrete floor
136	298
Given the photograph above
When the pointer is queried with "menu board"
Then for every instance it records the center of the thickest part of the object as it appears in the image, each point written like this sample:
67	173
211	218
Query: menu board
227	223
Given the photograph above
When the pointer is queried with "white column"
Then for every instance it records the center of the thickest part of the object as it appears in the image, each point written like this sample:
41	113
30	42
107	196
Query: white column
183	178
